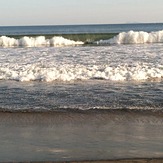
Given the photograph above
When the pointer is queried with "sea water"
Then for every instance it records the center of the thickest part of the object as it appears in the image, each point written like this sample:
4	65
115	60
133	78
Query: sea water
72	29
57	74
121	72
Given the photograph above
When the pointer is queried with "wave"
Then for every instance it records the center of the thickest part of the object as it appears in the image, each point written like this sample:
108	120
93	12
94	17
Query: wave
48	39
37	41
36	72
133	37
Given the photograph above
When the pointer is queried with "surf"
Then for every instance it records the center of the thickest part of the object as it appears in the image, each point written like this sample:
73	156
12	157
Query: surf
60	40
36	41
135	37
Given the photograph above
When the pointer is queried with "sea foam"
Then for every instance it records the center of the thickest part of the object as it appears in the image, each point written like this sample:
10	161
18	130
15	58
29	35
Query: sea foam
35	72
133	37
37	41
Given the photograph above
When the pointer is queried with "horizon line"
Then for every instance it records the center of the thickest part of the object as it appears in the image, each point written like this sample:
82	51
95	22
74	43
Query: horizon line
81	24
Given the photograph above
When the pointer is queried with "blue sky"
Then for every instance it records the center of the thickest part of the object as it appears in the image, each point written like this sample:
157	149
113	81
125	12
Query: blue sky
61	12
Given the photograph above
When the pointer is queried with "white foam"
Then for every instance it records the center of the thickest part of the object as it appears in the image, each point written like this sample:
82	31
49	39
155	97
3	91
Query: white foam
114	63
37	41
132	37
33	72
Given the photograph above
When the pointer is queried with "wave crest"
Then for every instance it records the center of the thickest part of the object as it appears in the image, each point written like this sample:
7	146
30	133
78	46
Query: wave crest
37	41
133	37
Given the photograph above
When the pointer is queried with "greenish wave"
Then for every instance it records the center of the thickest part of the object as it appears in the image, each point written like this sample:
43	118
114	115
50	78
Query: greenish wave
87	38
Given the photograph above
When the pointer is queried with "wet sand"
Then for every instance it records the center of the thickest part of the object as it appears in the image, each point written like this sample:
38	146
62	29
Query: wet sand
108	161
118	136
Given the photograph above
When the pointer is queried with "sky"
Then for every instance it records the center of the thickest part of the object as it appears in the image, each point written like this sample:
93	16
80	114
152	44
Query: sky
70	12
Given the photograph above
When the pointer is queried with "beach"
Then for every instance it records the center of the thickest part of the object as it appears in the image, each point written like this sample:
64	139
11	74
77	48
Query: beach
82	93
80	135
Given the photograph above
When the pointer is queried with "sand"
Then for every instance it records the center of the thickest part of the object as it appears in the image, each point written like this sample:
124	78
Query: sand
118	136
110	161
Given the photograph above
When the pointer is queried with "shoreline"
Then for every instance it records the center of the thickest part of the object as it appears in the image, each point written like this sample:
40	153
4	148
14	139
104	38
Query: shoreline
155	112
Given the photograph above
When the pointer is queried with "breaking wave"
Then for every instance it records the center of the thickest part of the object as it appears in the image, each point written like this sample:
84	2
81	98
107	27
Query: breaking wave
36	41
133	37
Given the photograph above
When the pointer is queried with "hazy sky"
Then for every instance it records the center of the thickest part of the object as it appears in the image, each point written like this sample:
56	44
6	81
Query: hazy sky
56	12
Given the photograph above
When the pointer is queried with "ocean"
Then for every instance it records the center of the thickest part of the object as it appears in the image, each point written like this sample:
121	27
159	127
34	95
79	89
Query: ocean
93	92
123	72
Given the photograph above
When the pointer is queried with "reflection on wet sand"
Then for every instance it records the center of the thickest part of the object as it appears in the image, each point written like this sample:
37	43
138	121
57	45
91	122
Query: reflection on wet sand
80	135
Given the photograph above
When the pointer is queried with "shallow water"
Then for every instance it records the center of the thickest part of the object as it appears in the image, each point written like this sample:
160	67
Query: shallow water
41	96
